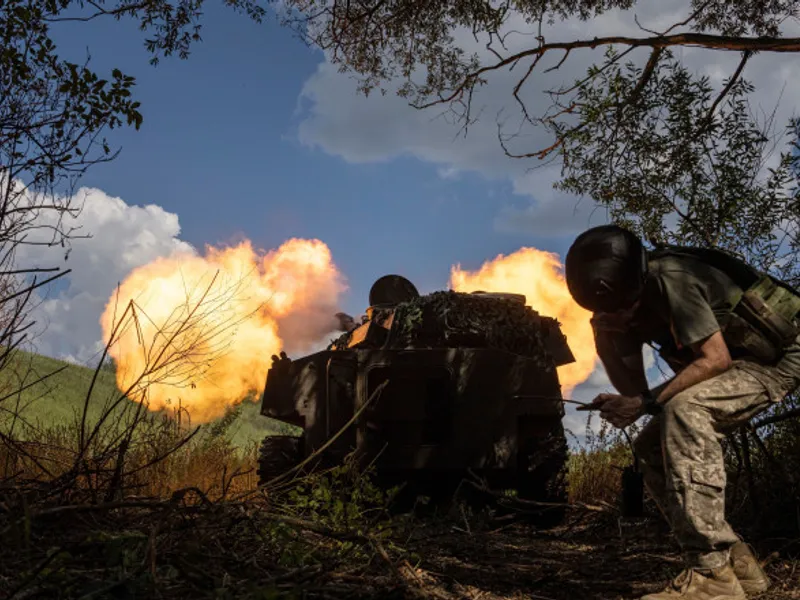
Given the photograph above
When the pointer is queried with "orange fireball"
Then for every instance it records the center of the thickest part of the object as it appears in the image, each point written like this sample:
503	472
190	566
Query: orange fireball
199	331
537	275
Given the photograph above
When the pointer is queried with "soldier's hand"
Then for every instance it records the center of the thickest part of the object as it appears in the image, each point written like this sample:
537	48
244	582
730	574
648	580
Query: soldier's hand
620	411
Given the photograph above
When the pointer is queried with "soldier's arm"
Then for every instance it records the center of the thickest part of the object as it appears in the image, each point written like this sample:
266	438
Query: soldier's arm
623	362
694	326
712	358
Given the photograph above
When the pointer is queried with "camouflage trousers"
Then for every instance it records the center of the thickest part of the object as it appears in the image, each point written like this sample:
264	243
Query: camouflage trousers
681	456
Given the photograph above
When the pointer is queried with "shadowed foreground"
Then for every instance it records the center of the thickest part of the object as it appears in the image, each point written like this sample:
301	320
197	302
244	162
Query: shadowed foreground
189	547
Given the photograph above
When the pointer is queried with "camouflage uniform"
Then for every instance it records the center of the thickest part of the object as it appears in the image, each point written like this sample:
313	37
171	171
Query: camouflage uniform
680	452
681	456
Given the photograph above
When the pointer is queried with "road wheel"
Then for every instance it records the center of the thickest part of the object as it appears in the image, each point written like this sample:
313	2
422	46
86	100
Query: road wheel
278	454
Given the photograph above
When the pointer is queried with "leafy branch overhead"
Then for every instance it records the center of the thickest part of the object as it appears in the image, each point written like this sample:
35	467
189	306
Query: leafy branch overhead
52	116
654	143
418	45
53	112
683	165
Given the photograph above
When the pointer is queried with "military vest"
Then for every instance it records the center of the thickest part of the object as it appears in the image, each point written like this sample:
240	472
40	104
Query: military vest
759	322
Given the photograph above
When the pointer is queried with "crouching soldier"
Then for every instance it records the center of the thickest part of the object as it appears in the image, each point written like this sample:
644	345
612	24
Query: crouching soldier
731	335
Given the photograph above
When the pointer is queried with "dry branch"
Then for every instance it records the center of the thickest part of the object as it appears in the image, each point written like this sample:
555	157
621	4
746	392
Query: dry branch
701	40
522	503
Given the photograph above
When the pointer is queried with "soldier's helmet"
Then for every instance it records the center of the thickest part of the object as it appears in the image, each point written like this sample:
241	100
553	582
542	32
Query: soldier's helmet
606	268
392	289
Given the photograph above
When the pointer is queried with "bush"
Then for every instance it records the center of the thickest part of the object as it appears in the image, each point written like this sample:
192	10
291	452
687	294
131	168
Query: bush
763	467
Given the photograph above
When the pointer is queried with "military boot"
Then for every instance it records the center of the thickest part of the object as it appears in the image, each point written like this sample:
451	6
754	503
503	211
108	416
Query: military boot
702	584
748	570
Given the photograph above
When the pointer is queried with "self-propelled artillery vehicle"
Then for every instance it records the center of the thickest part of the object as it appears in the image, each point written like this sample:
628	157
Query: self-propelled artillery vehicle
469	388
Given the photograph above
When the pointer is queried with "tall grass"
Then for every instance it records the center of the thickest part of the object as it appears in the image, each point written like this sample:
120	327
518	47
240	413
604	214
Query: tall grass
159	458
112	446
763	466
595	467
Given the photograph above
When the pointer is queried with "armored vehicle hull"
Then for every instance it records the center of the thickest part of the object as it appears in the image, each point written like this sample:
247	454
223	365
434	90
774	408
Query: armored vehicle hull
427	415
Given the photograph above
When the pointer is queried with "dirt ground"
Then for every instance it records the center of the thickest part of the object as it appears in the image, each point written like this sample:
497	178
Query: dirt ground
129	550
597	559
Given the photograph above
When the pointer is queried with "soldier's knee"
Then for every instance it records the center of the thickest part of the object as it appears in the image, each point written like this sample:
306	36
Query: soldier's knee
680	406
684	417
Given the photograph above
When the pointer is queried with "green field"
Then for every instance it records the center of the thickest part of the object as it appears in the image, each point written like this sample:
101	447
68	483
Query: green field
60	398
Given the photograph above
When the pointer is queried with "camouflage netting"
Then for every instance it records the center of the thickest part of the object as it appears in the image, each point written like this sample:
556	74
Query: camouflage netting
452	319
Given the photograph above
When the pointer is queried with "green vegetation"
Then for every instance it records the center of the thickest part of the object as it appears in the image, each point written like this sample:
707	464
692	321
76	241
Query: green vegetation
594	466
56	395
49	400
150	508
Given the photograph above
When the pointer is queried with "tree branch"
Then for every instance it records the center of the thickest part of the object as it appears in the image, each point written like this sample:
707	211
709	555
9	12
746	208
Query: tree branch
745	57
34	286
701	40
646	75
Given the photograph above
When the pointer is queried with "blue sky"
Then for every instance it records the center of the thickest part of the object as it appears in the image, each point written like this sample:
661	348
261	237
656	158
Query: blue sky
219	147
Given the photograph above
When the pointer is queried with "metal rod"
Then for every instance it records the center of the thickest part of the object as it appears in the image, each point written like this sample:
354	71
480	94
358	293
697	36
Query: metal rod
558	398
569	401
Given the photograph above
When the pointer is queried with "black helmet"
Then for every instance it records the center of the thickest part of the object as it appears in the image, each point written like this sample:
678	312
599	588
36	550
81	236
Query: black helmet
606	268
391	290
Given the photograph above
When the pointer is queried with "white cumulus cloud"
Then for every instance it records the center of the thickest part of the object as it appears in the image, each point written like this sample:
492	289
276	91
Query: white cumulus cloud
381	127
122	237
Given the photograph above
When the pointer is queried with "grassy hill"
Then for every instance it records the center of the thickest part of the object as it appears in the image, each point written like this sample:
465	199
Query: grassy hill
59	399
